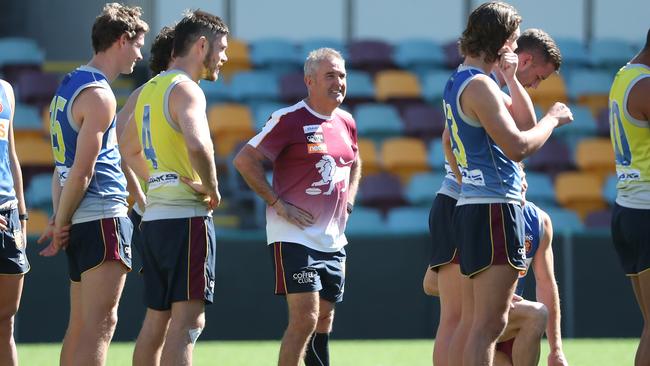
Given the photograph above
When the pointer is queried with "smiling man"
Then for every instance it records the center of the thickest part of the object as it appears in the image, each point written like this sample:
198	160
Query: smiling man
316	172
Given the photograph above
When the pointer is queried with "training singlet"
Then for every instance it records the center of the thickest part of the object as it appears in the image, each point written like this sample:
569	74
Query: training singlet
488	175
166	153
7	193
106	193
631	141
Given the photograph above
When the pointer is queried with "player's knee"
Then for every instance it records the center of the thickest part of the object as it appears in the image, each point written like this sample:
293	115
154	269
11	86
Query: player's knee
6	323
539	317
493	327
304	323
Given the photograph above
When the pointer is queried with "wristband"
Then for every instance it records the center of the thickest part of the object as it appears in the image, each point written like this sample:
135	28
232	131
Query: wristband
24	216
349	208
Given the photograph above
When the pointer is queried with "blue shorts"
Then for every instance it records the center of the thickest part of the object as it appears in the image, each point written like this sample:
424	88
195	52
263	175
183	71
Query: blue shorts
443	245
178	260
302	269
489	234
13	259
94	242
631	237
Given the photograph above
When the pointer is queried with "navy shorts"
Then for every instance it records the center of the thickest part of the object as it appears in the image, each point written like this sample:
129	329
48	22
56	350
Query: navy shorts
94	242
136	240
443	245
13	259
178	261
489	234
302	269
631	237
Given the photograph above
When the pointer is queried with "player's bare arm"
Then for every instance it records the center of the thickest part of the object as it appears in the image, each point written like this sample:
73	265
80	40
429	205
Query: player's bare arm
638	101
249	163
187	106
518	102
548	294
355	177
482	101
122	118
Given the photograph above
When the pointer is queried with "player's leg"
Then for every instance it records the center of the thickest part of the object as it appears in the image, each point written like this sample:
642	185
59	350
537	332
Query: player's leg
460	334
641	286
303	317
430	282
149	345
526	324
317	349
501	359
449	280
75	323
11	287
101	289
187	323
492	289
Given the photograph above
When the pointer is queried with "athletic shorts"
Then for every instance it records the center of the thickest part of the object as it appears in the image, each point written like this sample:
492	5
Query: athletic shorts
13	259
136	241
94	242
443	245
631	237
178	260
302	269
506	348
489	234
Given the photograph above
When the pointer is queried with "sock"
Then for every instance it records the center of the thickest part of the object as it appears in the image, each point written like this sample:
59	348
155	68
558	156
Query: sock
318	353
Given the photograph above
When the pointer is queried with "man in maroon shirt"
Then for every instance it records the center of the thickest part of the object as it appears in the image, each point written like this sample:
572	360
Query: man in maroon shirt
316	170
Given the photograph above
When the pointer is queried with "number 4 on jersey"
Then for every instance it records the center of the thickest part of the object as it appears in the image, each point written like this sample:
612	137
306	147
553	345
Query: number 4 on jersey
149	152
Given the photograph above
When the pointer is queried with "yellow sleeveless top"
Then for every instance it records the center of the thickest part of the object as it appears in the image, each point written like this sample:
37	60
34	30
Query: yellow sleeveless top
166	153
631	141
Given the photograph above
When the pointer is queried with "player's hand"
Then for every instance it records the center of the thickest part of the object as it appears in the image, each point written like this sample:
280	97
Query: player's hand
508	62
561	112
293	214
141	200
556	358
3	223
212	197
58	238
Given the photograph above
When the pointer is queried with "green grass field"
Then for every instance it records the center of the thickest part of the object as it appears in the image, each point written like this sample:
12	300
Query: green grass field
580	352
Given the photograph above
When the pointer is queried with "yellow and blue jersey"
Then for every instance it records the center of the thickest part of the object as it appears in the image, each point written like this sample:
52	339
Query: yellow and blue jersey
7	193
488	175
631	141
106	193
166	153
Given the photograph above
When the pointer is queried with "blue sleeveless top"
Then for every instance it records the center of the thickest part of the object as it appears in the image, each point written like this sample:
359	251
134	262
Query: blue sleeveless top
106	193
7	193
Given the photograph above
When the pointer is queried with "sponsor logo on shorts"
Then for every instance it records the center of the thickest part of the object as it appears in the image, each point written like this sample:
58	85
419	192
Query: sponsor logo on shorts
127	251
305	277
211	285
163	179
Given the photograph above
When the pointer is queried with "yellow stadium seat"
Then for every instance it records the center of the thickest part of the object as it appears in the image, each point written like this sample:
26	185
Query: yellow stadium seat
404	157
238	58
595	155
396	84
580	192
369	160
229	124
37	222
34	150
549	91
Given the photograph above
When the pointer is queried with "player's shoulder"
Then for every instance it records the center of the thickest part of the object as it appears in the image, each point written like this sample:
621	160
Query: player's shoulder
290	114
343	114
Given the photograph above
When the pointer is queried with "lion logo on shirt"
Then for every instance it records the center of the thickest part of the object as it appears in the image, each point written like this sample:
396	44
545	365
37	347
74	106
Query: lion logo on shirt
331	174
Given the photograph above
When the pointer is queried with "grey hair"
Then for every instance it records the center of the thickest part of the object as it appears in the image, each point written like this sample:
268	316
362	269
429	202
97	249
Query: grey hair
316	56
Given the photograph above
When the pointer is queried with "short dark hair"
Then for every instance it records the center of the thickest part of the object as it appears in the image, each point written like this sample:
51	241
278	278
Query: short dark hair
161	50
488	28
114	21
540	44
193	26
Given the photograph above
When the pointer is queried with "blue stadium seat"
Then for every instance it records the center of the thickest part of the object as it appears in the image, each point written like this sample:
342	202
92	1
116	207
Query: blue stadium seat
611	53
574	52
378	121
408	220
39	192
609	190
419	55
311	44
216	91
14	50
278	55
583	125
588	82
564	221
540	189
436	155
27	117
365	221
422	188
433	85
360	87
262	113
254	86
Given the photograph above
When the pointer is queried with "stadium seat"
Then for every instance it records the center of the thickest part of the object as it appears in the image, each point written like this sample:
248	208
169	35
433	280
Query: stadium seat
419	55
360	88
254	86
595	155
408	220
436	155
275	54
238	58
27	118
602	123
397	85
216	91
378	121
552	158
540	189
404	156
263	112
311	44
229	125
580	192
609	189
39	192
610	53
370	163
549	91
590	88
370	55
365	221
423	121
292	87
34	151
599	219
433	85
38	220
583	126
574	53
564	221
382	191
453	58
422	188
15	50
36	88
